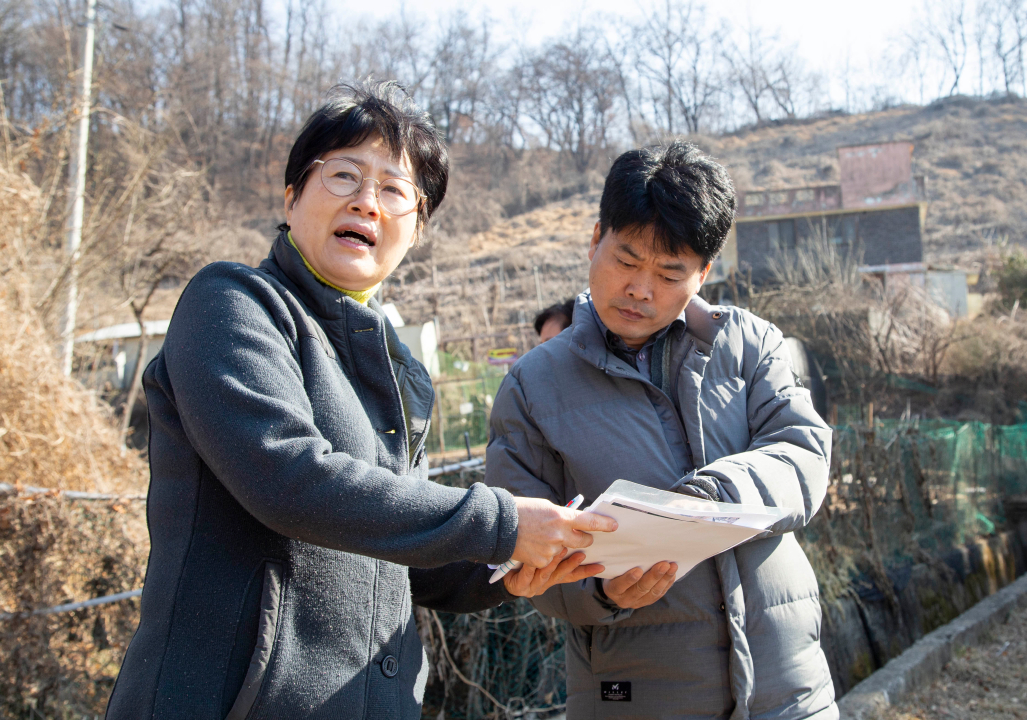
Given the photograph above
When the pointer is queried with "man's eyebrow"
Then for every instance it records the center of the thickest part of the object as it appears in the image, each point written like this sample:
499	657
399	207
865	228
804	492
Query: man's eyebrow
628	250
390	170
675	266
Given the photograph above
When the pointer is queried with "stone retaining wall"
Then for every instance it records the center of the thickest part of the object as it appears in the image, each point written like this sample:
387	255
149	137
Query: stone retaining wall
865	629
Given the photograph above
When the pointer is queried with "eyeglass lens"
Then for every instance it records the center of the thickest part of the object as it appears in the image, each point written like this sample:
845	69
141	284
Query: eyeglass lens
342	178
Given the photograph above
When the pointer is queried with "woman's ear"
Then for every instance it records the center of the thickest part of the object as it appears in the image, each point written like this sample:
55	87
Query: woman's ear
290	200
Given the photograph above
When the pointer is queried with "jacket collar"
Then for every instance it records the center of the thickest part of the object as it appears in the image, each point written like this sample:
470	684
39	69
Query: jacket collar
588	334
327	302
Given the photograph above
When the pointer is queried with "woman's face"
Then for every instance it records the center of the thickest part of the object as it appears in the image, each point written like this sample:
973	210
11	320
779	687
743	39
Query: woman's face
350	241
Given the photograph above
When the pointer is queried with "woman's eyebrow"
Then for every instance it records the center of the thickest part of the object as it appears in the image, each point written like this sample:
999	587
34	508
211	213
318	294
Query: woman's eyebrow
390	170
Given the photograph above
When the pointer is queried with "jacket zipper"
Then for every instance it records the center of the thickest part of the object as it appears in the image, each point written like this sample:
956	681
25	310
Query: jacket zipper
676	413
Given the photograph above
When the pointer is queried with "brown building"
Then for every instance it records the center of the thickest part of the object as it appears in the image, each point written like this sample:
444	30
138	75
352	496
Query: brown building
877	210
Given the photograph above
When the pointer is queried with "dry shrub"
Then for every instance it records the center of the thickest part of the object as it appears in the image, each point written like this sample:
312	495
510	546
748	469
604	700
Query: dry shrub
52	432
55	551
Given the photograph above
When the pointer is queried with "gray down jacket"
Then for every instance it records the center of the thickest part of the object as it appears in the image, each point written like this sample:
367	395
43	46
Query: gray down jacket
739	636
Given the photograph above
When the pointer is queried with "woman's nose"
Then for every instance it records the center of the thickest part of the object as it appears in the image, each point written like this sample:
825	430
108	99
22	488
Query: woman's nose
364	201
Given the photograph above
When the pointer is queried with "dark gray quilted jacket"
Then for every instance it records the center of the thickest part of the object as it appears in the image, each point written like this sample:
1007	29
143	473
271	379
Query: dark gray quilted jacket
288	495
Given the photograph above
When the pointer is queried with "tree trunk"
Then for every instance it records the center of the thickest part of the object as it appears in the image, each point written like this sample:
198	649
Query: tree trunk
137	378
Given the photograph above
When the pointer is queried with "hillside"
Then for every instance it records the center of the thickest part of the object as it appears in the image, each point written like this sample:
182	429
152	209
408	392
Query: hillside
973	154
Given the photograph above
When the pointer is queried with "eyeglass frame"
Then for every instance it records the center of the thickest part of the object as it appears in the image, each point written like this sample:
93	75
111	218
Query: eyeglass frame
377	188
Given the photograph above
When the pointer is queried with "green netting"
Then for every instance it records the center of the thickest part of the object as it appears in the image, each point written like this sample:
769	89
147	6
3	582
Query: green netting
463	400
928	484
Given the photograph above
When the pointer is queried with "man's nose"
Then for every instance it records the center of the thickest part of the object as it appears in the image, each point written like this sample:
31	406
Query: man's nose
643	292
364	201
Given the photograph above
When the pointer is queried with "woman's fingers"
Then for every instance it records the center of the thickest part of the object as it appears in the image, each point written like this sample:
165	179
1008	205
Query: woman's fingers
543	529
593	522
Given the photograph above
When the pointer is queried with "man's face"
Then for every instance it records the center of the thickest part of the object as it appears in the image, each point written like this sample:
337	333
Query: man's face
636	290
553	327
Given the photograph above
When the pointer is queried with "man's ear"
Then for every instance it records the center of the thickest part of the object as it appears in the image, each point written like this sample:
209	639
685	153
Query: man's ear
290	199
704	273
596	237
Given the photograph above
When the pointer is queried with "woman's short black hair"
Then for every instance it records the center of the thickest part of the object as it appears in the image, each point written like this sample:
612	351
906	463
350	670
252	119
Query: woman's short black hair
353	113
682	195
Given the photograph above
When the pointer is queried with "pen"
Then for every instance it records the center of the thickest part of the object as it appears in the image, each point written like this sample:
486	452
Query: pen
511	565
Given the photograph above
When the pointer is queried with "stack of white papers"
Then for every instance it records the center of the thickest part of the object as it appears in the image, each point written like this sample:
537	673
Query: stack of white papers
656	525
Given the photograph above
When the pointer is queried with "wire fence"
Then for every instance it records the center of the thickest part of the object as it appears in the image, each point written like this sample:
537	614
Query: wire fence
900	492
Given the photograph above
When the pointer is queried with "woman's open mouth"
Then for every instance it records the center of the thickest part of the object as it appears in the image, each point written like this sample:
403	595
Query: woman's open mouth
356	237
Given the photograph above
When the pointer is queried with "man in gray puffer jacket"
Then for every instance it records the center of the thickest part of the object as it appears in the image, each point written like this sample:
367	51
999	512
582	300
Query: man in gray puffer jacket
653	385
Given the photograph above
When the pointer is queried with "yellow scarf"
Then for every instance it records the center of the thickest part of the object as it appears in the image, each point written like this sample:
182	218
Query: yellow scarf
361	296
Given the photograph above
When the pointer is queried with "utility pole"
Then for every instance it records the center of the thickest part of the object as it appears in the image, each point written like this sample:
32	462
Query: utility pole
502	282
77	188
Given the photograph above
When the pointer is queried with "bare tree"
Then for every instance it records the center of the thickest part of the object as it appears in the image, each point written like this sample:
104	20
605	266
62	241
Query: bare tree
572	90
464	60
1007	29
167	246
749	71
946	28
678	64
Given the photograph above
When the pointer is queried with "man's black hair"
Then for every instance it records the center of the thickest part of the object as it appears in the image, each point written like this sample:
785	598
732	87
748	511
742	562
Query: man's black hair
353	113
680	194
565	309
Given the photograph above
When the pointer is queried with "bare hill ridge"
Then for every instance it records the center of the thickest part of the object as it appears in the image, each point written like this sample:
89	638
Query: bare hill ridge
973	154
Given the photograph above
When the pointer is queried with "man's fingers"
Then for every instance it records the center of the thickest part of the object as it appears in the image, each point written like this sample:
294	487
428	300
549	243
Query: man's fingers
543	575
648	581
619	585
592	522
566	567
582	571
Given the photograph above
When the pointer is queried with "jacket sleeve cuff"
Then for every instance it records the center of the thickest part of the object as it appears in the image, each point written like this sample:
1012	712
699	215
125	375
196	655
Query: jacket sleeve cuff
679	486
506	530
579	604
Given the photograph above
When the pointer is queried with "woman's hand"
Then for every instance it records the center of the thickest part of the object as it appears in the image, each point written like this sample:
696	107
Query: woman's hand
544	529
528	581
634	589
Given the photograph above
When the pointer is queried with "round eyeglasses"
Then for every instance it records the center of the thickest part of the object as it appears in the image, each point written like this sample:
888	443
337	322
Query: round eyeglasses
396	196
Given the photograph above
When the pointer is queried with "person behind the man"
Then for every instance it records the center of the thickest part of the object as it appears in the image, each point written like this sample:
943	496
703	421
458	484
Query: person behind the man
653	385
554	320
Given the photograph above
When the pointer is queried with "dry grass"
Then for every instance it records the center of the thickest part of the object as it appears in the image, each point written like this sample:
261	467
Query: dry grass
52	432
54	551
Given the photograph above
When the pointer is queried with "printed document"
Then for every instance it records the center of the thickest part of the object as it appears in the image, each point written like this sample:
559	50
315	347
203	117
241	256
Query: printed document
656	525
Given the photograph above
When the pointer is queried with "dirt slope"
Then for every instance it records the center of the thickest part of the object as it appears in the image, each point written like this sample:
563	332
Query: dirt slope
973	154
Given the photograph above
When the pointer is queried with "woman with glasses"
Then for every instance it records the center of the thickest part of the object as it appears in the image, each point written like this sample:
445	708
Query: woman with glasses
292	524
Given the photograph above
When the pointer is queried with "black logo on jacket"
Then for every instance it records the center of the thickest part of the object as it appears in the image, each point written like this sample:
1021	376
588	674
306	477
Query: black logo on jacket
616	691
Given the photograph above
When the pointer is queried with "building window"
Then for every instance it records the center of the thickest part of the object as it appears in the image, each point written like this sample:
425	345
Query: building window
754	200
782	235
842	230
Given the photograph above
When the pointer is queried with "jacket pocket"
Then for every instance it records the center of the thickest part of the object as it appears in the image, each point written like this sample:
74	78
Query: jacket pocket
270	607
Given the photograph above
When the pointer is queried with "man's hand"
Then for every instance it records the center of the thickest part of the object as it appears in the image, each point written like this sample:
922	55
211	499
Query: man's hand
634	589
529	582
544	529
